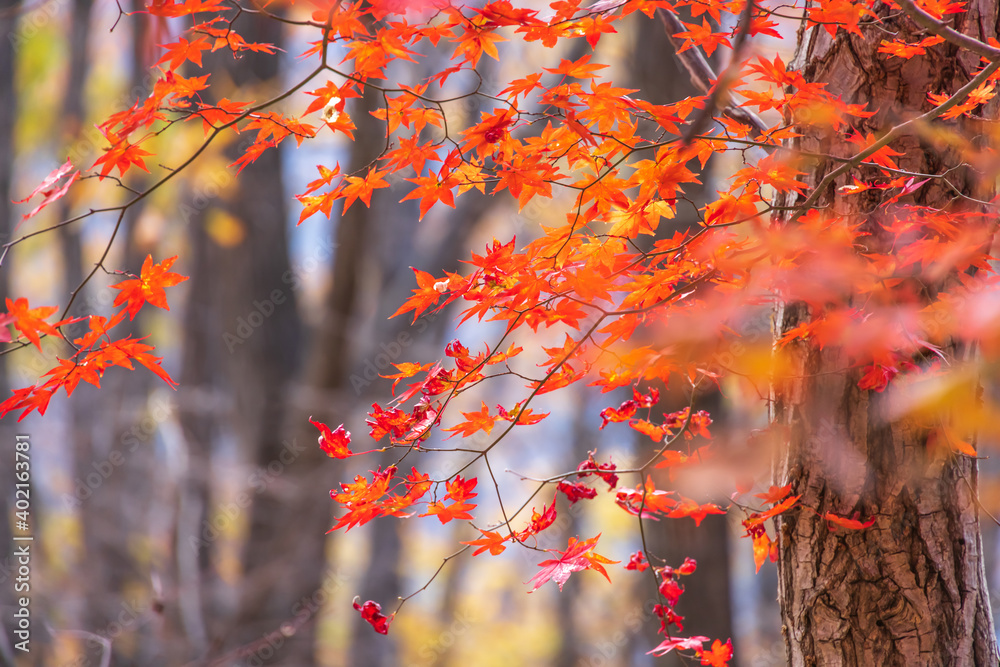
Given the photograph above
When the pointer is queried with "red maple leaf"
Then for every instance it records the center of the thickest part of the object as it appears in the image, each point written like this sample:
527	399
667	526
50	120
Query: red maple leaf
578	556
334	443
48	188
576	491
372	613
638	562
670	643
539	521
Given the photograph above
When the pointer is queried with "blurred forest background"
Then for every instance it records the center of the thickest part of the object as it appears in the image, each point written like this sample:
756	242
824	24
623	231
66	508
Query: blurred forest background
188	527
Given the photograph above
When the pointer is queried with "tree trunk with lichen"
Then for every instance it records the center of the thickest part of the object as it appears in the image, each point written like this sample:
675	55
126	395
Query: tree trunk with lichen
910	589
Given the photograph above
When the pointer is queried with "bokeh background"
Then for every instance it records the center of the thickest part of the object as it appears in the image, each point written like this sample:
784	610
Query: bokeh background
188	527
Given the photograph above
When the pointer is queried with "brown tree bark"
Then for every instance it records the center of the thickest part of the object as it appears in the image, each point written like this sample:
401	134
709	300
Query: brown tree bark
911	589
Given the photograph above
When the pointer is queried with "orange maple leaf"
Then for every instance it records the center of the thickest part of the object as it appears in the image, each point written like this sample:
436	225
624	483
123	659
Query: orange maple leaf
475	41
689	508
491	541
428	292
31	321
775	493
149	286
719	655
460	489
362	188
702	36
121	155
183	50
761	549
447	513
850	524
475	422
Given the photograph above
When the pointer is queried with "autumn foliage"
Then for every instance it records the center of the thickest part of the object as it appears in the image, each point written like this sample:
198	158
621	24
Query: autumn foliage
614	294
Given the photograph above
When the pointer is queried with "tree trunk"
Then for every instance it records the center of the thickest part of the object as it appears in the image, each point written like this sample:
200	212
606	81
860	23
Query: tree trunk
911	589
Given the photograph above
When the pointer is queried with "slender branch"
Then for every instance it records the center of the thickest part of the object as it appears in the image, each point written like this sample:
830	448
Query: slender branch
895	133
941	28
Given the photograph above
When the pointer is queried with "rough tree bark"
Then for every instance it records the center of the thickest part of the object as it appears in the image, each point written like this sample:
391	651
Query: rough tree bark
910	590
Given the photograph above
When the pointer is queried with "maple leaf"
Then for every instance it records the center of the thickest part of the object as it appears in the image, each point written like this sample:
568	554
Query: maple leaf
576	491
877	377
475	422
490	541
687	567
427	294
48	189
460	489
670	643
336	442
149	286
882	157
363	499
521	87
121	352
579	555
758	519
686	507
624	412
655	432
475	41
99	327
835	14
31	321
761	549
719	655
849	524
604	470
577	69
371	612
539	521
702	36
446	513
406	370
775	494
121	155
638	562
183	50
223	113
901	49
30	398
431	190
362	188
646	501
